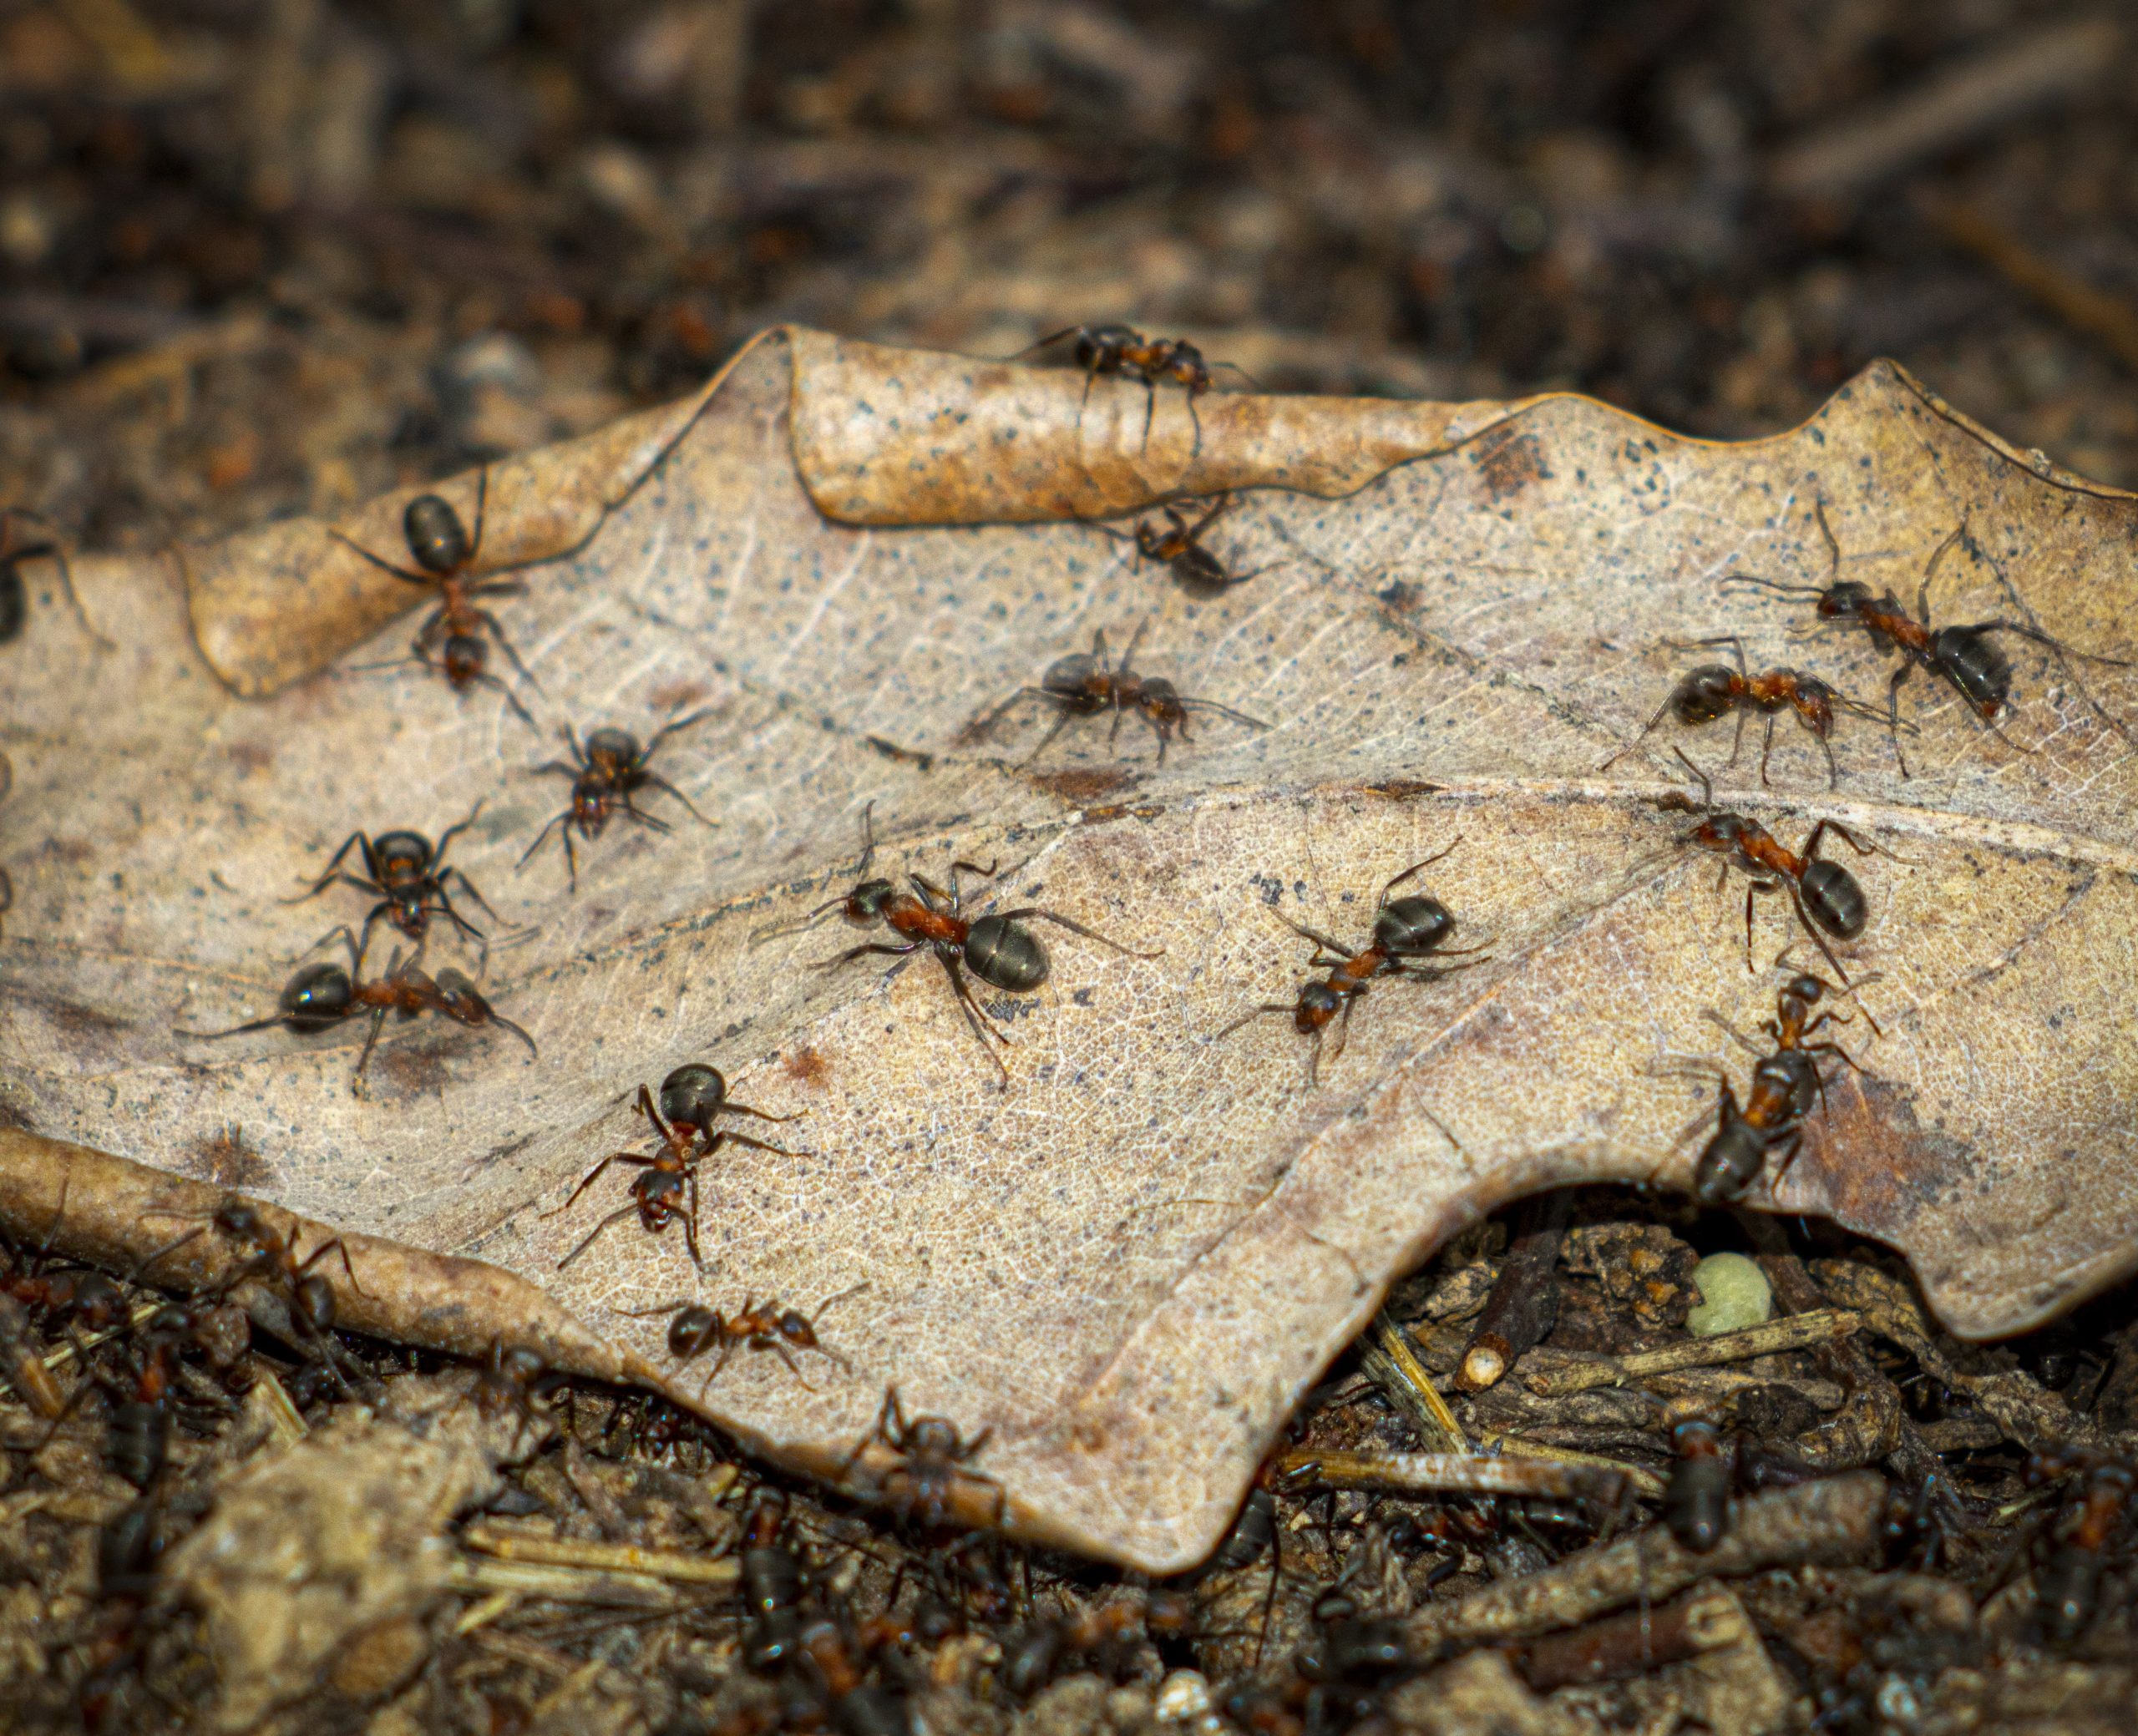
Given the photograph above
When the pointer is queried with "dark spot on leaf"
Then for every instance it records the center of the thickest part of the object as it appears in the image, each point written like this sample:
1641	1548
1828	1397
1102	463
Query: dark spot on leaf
808	1066
1508	462
230	1159
1080	786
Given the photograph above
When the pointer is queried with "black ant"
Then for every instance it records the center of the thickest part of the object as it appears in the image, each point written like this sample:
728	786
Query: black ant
1965	657
14	551
1404	932
690	1096
2067	1596
693	1329
443	552
320	996
1030	1663
933	1456
995	948
1824	894
1083	686
1786	1083
1712	690
1123	350
1179	546
604	774
1703	1476
409	876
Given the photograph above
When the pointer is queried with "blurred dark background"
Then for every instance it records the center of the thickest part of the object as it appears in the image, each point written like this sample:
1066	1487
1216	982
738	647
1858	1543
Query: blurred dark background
264	255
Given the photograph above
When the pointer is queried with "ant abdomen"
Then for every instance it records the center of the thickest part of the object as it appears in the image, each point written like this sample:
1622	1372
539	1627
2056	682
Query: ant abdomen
1704	694
693	1331
317	997
1001	952
1969	659
1834	899
1729	1164
1069	678
1417	925
692	1095
436	536
865	903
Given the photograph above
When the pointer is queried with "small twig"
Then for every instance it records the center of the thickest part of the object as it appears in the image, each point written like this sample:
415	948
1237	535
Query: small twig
1453	1473
1642	1480
1791	1332
1831	1522
1525	1299
1386	1356
483	1576
492	1539
1631	1645
67	1353
2109	319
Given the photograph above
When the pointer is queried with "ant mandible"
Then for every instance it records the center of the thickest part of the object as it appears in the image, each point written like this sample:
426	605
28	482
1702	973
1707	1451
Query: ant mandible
1785	1082
995	948
1712	690
694	1329
690	1096
14	551
322	995
443	552
1406	931
1965	657
409	876
1083	686
1825	895
933	1456
1116	349
604	774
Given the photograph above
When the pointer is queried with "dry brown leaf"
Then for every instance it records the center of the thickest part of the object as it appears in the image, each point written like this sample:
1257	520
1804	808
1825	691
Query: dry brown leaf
1129	1263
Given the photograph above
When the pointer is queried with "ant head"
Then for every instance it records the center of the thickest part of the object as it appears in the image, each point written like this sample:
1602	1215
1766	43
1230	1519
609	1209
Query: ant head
932	1437
1188	367
1696	1434
463	999
240	1220
401	856
612	752
1158	699
1070	678
317	996
1845	601
690	1330
1807	989
794	1326
865	903
1413	925
767	1514
1318	1001
1704	694
465	656
436	536
658	1190
692	1095
517	1364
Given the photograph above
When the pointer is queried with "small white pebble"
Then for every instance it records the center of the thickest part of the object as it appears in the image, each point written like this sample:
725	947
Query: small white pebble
1182	1695
1734	1293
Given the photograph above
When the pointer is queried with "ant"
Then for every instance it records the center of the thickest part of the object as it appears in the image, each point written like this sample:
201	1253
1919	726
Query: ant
922	1485
1824	894
1180	546
1123	350
694	1329
1965	657
322	995
1703	1476
690	1096
1404	932
604	775
443	552
1083	686
1785	1083
1707	692
773	1581
995	948
14	550
409	876
1030	1664
2067	1596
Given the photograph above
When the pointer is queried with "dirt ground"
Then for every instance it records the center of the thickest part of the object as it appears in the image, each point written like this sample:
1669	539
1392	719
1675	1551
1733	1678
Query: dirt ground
262	256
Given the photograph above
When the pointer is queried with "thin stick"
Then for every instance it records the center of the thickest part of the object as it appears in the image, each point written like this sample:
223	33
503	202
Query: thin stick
1454	1473
1385	1355
1792	1332
509	1545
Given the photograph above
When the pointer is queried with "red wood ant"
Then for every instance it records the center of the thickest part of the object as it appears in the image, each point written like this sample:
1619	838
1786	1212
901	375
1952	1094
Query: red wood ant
15	549
1696	1500
604	774
690	1096
409	876
1083	686
1404	932
1179	546
1965	657
443	552
1786	1083
693	1329
932	1458
1712	690
321	995
1122	350
2067	1596
1030	1664
995	948
1824	894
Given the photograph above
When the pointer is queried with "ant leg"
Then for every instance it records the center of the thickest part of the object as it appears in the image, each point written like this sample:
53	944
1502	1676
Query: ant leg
983	725
763	1115
1833	543
1647	730
468	887
1061	723
333	873
1833	771
320	1252
482	505
1842	832
1078	928
1737	741
563	819
1787	1146
504	644
1252	1014
446	837
1893	711
674	727
363	1060
1195	420
856	952
595	1175
988	872
691	1222
1767	748
982	1027
384	566
623	1211
1398	879
1337	952
1150	408
1749	892
659	783
1811	928
728	1135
